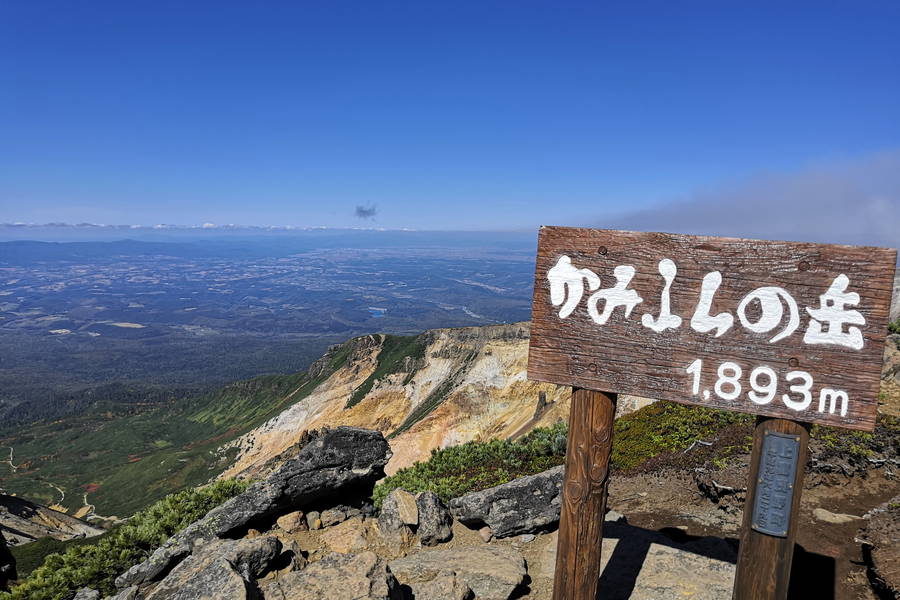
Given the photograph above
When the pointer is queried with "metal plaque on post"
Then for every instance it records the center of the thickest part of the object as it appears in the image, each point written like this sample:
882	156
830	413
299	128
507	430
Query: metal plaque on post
775	484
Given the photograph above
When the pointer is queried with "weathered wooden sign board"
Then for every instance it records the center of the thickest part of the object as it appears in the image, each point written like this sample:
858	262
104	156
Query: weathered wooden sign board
792	330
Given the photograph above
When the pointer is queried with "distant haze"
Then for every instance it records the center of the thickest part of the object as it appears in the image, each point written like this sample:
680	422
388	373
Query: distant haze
855	202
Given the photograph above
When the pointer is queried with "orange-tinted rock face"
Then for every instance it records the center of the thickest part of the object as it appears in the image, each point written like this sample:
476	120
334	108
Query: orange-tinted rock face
470	384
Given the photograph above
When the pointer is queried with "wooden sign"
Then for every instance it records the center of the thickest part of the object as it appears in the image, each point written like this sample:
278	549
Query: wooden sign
783	329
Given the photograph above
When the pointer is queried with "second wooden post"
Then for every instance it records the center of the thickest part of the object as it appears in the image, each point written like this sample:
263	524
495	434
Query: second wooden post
584	495
770	512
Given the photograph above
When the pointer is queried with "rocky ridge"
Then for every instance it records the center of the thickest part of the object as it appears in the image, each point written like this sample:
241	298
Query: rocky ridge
271	542
24	521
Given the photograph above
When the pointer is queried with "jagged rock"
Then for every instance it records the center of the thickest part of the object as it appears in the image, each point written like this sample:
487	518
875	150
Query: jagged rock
882	539
447	585
25	521
333	460
361	576
407	507
292	522
86	594
216	580
492	572
396	542
486	534
248	558
836	518
293	557
395	533
350	536
7	564
251	557
332	516
129	593
435	522
397	510
525	505
313	520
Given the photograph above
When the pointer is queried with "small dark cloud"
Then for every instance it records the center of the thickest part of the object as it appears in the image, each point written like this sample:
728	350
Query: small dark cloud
366	212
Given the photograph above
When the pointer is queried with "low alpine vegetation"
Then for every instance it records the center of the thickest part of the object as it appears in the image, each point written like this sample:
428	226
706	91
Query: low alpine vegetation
667	427
660	428
454	471
96	565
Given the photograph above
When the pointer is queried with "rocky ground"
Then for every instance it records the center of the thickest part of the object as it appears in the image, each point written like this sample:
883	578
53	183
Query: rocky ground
309	531
25	521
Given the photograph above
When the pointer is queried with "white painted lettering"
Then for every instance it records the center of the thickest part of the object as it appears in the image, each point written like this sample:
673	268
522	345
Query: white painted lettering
618	295
702	321
567	285
833	396
666	319
833	312
770	301
803	389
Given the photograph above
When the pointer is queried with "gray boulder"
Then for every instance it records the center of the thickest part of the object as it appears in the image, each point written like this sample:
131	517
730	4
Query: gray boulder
331	461
86	594
129	593
882	537
332	516
248	559
398	510
361	576
216	580
447	585
525	505
7	564
491	572
435	522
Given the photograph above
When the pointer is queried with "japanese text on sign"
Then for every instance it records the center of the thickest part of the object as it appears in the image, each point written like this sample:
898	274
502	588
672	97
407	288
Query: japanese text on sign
784	329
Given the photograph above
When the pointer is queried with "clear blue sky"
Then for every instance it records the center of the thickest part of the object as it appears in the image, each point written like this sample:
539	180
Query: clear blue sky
468	115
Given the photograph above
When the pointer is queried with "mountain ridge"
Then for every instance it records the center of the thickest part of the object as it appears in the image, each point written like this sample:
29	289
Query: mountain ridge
443	386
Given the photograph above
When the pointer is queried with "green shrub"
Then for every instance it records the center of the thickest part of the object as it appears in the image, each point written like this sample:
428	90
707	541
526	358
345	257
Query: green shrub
31	556
657	429
97	565
455	471
894	326
666	427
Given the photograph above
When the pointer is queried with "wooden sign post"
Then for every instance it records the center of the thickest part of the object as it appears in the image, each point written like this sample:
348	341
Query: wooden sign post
793	332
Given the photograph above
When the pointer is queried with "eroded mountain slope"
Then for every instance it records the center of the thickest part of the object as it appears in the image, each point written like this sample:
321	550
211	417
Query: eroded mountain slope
441	388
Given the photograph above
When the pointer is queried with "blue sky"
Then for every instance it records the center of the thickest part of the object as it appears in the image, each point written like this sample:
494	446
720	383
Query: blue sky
462	115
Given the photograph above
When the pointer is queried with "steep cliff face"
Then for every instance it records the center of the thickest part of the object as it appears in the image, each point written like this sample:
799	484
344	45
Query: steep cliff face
441	388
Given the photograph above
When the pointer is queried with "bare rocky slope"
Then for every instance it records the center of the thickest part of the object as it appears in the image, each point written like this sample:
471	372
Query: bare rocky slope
442	388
